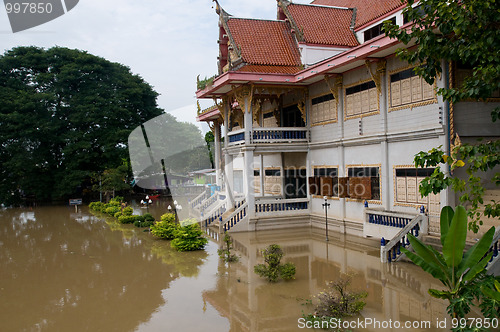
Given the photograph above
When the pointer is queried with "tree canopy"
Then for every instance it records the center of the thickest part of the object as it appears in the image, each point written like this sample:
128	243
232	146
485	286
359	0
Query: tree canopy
64	114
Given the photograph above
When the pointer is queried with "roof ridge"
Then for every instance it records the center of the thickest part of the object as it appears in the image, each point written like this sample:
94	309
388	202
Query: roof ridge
324	6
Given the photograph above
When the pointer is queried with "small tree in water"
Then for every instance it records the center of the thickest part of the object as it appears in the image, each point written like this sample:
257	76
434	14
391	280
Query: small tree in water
273	269
225	253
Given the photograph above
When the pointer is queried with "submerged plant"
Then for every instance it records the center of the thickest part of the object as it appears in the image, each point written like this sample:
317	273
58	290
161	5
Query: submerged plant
273	270
189	238
225	253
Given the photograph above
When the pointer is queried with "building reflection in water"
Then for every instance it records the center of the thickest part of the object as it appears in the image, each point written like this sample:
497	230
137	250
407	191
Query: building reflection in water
395	291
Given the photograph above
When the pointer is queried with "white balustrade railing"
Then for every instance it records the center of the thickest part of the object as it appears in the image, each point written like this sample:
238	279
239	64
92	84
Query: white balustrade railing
391	251
271	205
280	135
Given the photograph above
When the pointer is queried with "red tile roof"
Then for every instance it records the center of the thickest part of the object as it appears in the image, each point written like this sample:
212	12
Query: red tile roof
264	42
271	69
323	25
367	10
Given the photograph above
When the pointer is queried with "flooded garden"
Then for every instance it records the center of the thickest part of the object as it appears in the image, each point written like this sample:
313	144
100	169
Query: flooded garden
63	270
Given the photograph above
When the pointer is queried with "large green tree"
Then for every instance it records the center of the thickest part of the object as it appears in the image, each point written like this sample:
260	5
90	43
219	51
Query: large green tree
465	32
64	114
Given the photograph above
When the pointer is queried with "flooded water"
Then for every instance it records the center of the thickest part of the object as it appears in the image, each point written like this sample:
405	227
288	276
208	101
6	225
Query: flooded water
62	270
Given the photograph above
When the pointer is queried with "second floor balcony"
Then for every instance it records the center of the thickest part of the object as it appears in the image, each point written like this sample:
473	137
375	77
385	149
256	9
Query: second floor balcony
270	136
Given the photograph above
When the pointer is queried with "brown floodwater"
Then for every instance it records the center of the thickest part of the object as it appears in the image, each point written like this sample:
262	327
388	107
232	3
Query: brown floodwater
62	270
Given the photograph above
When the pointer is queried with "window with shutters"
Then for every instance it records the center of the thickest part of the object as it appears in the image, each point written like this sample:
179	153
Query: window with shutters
324	182
361	99
323	109
364	183
272	181
407	183
406	88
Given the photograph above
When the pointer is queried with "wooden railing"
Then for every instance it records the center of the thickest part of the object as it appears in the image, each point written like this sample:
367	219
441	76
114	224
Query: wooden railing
280	135
266	205
391	251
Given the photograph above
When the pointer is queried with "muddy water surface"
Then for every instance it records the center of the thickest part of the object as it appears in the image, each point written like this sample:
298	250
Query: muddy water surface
62	270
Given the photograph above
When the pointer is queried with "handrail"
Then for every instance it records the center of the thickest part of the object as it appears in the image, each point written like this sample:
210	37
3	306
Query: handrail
391	251
216	213
271	205
494	248
279	134
237	136
239	214
198	199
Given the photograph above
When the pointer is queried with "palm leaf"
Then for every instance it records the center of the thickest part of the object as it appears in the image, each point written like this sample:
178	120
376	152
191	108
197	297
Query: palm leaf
454	242
477	268
445	220
428	267
476	252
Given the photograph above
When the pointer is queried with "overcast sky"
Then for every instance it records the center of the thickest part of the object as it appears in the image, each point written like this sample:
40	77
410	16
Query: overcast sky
168	42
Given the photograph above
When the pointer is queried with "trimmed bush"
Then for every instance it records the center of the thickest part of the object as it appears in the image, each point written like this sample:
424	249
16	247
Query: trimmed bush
118	214
126	219
128	211
111	210
149	217
168	217
164	229
189	238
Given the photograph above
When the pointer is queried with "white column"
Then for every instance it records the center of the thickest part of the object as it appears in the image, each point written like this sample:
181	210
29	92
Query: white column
217	154
248	159
228	159
386	171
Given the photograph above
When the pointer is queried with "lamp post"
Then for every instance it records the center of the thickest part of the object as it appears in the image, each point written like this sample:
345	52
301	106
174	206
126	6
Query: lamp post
326	205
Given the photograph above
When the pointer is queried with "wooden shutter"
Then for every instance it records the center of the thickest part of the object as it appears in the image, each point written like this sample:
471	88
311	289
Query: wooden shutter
349	105
313	185
326	185
405	91
373	99
416	89
396	93
411	189
401	189
434	203
357	103
332	110
366	184
343	187
427	90
365	101
420	199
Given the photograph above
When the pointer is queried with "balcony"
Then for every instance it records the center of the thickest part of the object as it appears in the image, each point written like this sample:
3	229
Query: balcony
270	136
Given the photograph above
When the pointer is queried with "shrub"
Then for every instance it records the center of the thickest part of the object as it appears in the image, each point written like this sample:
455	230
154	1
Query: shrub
111	210
225	254
96	206
149	217
128	211
274	269
168	217
140	222
118	214
164	229
189	238
126	219
338	302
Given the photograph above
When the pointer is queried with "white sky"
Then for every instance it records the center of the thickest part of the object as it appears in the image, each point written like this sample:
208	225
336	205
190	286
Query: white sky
168	42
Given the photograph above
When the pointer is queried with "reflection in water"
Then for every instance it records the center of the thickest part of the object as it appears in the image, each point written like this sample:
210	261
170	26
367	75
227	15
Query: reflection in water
67	271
